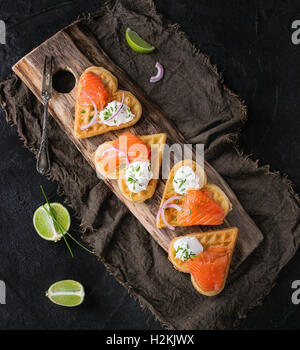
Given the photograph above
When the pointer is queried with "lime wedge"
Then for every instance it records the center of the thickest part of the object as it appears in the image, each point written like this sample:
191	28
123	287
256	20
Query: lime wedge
46	227
137	43
66	293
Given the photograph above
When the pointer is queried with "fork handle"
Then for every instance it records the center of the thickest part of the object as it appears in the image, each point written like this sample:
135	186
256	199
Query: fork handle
43	160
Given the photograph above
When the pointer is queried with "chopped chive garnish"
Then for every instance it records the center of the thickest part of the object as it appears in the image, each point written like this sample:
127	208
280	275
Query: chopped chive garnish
182	182
198	209
185	253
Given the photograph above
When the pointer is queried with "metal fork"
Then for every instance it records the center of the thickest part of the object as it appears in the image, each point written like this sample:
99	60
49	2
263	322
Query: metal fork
43	161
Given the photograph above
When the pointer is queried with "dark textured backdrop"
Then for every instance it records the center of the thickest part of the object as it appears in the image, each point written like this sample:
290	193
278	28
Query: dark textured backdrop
250	43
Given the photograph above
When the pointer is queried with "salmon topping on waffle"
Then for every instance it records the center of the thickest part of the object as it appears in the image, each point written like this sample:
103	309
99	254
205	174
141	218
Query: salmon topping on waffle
198	208
92	90
127	147
208	269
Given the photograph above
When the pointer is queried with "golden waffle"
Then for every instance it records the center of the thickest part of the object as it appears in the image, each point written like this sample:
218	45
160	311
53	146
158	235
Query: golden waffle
156	142
100	165
83	113
218	196
171	213
226	237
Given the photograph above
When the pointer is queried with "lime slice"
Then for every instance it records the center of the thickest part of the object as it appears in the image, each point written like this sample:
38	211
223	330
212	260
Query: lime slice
137	43
66	293
46	227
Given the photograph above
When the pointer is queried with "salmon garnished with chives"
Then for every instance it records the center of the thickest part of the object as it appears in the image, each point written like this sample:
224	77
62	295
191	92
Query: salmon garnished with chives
198	208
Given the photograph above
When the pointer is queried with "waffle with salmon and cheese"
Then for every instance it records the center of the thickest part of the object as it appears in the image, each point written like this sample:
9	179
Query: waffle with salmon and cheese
210	268
113	157
96	88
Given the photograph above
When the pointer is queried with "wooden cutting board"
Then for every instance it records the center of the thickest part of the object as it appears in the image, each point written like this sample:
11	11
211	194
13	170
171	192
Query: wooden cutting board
67	48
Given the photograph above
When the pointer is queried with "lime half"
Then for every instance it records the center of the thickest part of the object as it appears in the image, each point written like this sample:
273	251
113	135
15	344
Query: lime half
46	227
66	293
137	43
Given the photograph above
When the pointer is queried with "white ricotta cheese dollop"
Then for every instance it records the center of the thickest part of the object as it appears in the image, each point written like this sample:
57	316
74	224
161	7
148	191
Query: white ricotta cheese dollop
187	247
184	179
137	175
124	116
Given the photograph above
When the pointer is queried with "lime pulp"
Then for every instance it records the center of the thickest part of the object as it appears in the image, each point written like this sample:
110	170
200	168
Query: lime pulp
45	225
67	293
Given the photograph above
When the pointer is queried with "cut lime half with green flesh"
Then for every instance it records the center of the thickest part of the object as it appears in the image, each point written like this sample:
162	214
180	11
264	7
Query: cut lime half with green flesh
66	293
137	43
44	224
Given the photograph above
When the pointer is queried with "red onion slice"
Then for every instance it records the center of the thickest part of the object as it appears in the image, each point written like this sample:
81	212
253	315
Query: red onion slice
159	75
165	221
174	206
84	127
166	205
170	200
118	111
158	215
117	150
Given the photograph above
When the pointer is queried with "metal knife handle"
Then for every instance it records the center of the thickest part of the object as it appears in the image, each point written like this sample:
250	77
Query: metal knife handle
43	160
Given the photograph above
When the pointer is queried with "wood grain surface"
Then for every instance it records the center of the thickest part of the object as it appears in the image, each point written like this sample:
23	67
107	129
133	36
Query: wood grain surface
67	47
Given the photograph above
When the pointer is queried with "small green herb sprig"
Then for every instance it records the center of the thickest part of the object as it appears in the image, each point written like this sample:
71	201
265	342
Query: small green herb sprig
196	206
61	229
108	111
185	253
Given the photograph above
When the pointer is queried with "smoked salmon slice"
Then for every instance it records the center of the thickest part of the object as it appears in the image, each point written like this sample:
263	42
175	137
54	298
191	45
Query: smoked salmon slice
198	208
209	268
92	89
130	145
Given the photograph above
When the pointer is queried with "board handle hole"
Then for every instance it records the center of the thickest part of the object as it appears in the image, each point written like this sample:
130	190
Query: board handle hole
63	81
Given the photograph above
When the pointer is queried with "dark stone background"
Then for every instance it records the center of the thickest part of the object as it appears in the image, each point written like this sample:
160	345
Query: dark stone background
250	41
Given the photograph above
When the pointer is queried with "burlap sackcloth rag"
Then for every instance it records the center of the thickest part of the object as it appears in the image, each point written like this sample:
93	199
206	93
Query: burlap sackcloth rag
193	96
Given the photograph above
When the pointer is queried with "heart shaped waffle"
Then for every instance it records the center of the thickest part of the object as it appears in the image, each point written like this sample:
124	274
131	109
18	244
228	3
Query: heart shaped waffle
210	189
210	239
169	192
83	114
156	142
